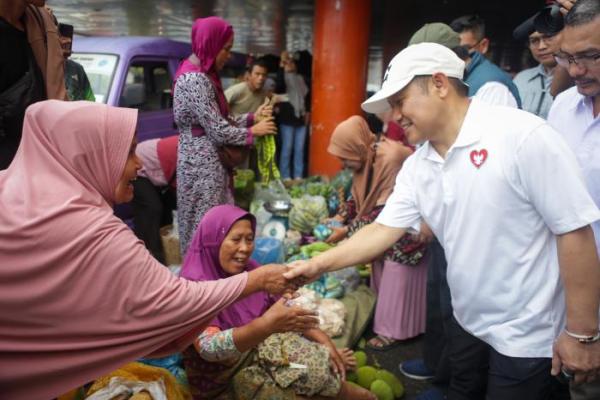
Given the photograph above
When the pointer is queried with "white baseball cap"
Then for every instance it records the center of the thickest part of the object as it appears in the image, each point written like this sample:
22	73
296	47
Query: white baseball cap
415	60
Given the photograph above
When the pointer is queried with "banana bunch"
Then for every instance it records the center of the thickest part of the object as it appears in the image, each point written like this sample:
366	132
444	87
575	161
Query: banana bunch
265	147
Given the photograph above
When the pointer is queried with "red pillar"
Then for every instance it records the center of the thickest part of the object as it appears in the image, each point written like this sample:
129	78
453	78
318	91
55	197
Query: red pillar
340	60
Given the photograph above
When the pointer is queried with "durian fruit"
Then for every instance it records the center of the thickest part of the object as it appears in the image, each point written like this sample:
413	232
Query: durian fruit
382	390
392	381
366	376
361	358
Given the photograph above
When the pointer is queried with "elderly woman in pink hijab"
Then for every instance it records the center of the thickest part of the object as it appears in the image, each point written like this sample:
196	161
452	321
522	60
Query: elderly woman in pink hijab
236	357
79	294
202	115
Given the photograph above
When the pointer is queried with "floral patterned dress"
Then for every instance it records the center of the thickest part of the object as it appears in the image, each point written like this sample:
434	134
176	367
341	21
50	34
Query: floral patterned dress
202	181
283	366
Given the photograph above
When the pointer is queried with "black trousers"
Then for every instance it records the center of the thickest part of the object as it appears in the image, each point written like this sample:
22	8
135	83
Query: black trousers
438	315
152	207
470	366
480	372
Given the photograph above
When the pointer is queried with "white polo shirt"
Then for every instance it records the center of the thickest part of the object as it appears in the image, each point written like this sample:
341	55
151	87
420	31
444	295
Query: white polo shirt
572	116
508	185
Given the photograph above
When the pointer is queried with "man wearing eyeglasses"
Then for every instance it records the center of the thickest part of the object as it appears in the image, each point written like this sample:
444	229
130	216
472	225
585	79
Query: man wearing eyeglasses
543	38
575	113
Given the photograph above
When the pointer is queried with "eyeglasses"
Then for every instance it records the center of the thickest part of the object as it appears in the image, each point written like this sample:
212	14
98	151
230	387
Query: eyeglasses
585	61
473	47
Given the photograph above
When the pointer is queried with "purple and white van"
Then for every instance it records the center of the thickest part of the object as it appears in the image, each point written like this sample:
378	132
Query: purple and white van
134	72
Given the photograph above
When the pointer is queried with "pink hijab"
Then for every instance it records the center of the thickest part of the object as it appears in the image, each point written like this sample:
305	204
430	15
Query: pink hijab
79	293
209	36
202	264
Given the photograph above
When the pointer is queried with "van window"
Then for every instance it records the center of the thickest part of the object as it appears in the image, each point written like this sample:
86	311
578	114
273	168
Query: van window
147	86
100	69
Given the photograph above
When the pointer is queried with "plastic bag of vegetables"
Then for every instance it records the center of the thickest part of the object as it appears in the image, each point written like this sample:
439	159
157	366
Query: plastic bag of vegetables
307	212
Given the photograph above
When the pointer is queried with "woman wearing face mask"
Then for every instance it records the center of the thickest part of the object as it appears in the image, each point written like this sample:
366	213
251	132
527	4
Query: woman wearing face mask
399	277
229	358
79	294
202	115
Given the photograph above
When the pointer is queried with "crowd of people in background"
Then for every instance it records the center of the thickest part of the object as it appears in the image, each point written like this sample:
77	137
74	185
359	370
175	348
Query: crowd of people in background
476	202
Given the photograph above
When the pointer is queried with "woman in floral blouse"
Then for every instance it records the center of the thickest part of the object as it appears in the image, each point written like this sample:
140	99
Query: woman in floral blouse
399	278
254	349
202	115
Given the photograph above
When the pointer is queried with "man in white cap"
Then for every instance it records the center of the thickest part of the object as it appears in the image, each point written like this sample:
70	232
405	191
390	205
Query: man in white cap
502	192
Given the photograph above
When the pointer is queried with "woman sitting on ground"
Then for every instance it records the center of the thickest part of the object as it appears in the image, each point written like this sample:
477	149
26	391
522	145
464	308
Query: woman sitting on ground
251	349
399	277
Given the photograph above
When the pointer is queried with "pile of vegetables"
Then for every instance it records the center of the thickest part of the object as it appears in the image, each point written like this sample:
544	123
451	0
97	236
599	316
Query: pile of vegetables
312	188
307	212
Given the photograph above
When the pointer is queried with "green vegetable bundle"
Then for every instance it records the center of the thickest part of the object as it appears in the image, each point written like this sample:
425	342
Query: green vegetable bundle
265	147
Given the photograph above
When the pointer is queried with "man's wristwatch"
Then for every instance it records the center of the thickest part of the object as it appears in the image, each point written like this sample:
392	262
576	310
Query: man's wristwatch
584	339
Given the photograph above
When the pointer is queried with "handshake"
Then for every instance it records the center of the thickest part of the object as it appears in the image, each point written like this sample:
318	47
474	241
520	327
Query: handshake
286	279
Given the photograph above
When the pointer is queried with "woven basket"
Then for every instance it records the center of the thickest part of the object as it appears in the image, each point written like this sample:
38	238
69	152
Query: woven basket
170	246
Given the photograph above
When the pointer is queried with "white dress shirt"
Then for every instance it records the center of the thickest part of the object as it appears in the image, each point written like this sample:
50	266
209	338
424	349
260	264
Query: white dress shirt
572	116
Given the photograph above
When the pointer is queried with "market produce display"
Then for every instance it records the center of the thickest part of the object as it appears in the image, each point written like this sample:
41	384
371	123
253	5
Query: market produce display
307	212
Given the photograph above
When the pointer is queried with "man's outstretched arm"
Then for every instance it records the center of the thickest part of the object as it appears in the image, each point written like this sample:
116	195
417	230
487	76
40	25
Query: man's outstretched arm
364	246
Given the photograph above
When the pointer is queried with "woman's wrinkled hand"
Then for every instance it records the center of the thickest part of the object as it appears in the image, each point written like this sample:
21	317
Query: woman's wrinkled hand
264	127
336	362
281	318
348	358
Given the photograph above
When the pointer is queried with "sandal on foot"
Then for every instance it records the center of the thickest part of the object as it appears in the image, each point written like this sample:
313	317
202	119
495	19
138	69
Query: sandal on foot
381	343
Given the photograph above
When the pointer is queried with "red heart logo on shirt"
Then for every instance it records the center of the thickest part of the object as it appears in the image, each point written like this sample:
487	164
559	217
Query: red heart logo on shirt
478	157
